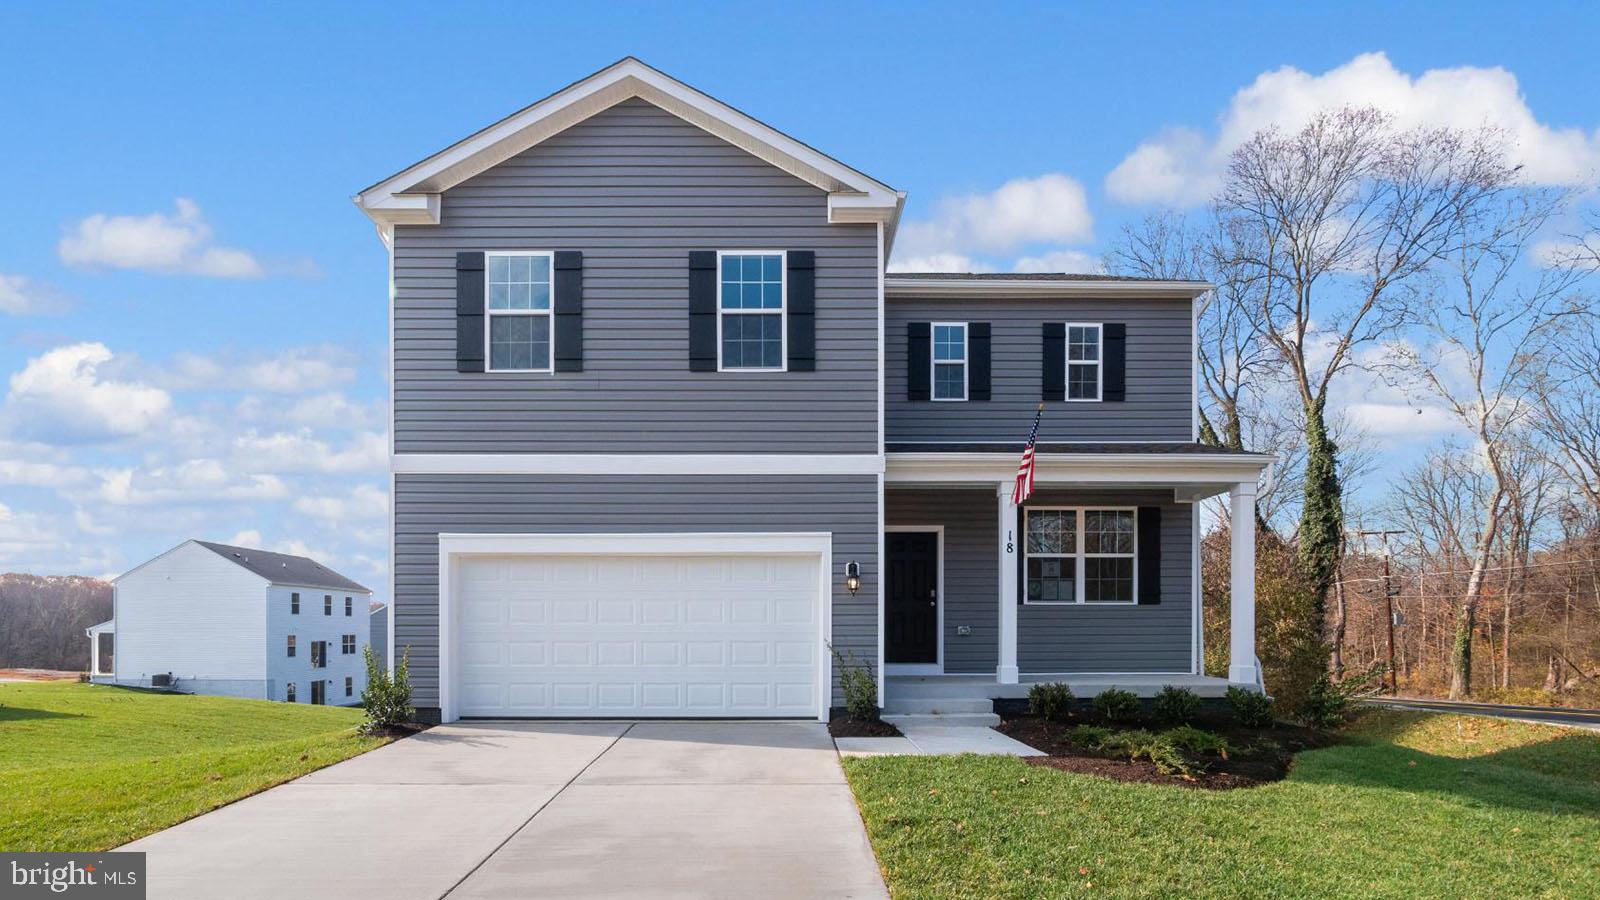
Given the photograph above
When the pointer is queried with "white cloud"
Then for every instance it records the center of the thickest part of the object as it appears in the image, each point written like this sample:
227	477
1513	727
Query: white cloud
938	262
23	296
1060	261
1183	166
1050	208
61	396
176	244
297	370
1401	421
363	502
299	451
189	482
247	538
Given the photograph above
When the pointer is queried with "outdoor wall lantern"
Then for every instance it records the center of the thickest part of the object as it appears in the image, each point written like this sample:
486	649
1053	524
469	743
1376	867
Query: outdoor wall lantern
852	577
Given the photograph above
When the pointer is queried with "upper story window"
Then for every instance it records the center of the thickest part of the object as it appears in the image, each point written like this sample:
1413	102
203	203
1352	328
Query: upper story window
327	604
347	606
347	644
319	654
294	604
1080	555
519	287
750	311
949	360
1083	362
291	645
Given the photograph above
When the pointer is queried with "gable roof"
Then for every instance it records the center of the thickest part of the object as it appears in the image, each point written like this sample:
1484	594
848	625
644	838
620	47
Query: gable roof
412	196
283	568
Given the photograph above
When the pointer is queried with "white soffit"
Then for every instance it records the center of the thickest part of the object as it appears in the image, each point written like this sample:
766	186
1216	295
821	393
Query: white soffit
412	196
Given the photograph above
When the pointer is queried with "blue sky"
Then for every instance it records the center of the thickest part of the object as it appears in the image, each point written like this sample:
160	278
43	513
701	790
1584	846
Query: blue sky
192	311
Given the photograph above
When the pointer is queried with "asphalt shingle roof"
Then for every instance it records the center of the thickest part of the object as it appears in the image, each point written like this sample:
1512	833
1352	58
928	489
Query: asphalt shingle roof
1026	276
282	568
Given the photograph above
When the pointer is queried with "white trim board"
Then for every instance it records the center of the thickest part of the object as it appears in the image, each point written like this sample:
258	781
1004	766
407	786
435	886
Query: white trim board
909	285
413	196
937	666
636	464
801	543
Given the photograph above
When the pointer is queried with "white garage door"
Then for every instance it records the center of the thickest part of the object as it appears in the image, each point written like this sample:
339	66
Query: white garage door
611	635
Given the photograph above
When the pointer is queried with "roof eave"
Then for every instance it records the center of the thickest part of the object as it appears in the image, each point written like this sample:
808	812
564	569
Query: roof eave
912	286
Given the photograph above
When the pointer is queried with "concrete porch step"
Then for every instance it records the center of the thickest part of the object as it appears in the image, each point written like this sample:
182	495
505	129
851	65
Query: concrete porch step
901	705
957	720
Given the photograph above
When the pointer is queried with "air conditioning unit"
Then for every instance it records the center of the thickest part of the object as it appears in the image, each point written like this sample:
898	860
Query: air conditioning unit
162	680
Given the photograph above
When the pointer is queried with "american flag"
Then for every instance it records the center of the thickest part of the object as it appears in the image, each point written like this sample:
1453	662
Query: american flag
1024	486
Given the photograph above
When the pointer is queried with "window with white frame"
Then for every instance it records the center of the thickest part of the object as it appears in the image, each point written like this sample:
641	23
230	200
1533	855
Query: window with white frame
750	308
519	288
1083	362
1080	554
949	360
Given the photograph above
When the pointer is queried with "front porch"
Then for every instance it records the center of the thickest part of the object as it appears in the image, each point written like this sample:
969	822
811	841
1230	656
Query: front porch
1094	582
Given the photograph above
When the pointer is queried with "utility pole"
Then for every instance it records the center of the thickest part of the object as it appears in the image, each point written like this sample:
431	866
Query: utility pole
1388	599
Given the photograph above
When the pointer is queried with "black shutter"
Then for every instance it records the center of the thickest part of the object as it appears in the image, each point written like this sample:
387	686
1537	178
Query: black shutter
1115	352
919	359
802	310
1022	556
1149	561
1054	361
978	361
702	310
469	311
569	311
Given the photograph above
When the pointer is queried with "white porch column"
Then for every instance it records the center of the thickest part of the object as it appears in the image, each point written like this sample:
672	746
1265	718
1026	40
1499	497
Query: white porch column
1006	673
1242	612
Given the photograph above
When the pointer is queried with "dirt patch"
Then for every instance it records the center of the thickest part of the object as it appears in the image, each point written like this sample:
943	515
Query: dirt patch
848	727
37	675
1255	756
404	729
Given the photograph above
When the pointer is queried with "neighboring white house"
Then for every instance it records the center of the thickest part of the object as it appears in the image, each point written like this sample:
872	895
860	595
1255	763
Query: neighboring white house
210	618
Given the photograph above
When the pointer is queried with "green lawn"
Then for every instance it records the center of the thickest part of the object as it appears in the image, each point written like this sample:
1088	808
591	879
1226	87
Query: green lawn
1414	805
87	767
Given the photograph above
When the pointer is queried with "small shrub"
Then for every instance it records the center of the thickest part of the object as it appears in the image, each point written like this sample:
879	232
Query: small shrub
1252	708
1327	703
1116	705
1175	704
386	700
1159	749
859	687
1091	737
1194	740
1050	701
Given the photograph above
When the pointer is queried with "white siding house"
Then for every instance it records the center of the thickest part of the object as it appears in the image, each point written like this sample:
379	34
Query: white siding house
218	619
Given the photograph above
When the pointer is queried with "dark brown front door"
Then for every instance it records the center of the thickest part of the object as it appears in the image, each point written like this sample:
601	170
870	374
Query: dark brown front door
911	600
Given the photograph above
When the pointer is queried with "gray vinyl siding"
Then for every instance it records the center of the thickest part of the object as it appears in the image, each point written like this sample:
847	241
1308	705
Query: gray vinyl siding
426	505
971	586
635	188
1097	638
1149	638
1160	370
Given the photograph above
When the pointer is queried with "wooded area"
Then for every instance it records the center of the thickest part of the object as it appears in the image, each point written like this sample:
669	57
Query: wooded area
1352	254
42	619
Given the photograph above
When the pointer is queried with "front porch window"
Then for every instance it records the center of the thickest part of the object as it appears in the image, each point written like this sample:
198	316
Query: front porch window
1061	542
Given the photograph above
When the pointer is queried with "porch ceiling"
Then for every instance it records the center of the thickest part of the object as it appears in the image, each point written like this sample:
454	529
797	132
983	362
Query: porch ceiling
1190	473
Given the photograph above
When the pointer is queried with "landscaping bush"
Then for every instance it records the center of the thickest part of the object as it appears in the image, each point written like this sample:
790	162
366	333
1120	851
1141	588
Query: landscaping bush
1175	704
386	700
1252	708
1116	704
1328	702
859	687
1050	701
1194	740
1092	737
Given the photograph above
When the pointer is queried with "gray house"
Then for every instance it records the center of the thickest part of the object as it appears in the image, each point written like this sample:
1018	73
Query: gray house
667	434
210	618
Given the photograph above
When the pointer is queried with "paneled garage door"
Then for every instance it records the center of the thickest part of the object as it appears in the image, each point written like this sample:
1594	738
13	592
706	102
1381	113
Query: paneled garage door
615	635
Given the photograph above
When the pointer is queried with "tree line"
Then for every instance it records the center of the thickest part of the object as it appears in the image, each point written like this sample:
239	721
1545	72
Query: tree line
42	619
1352	253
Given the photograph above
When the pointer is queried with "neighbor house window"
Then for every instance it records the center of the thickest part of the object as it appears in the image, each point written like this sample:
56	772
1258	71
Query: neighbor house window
1083	362
950	361
347	644
1080	555
291	645
750	307
294	604
327	604
319	692
319	654
349	685
288	692
519	287
347	606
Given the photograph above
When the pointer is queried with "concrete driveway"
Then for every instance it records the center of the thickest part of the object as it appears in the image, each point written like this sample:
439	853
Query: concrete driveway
548	809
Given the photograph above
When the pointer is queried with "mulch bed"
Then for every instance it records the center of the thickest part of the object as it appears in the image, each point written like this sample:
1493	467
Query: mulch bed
848	726
404	729
1255	756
